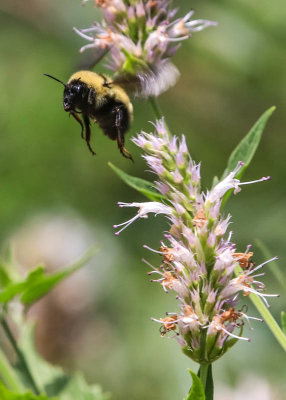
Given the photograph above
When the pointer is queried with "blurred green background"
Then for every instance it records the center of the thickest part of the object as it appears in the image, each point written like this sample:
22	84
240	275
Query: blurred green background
56	199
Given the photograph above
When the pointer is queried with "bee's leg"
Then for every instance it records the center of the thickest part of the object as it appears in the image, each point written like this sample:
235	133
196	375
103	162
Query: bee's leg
77	118
105	82
87	133
120	135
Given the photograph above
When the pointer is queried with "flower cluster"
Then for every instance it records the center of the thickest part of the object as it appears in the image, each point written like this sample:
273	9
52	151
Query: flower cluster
141	36
198	263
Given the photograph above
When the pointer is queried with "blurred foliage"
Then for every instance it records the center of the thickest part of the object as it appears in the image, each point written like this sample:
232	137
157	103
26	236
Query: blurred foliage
37	284
229	76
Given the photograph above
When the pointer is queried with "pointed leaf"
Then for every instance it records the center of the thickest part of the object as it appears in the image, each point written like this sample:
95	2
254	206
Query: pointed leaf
11	291
141	185
47	282
246	149
283	321
197	391
78	389
248	145
51	379
38	283
5	394
4	276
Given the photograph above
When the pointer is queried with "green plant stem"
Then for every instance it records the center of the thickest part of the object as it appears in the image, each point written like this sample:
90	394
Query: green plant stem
274	268
266	315
270	321
157	111
156	108
8	375
203	374
20	355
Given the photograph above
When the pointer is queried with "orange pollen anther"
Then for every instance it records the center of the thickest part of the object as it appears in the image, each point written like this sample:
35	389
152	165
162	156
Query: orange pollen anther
243	259
152	3
188	311
200	218
107	37
100	3
169	279
175	231
169	324
168	256
229	315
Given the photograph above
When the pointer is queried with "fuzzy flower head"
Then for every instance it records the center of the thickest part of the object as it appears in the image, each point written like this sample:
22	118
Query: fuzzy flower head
141	36
198	263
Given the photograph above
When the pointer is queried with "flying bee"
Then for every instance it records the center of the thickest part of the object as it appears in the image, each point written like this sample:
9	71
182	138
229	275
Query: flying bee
97	98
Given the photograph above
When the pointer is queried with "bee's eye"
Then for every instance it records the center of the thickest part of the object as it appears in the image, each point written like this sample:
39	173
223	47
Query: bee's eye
77	90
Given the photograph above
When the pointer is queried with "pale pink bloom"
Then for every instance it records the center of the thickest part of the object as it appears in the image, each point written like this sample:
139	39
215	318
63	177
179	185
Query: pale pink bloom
229	183
143	210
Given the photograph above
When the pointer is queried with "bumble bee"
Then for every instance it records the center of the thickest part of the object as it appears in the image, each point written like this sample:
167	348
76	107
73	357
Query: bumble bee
96	97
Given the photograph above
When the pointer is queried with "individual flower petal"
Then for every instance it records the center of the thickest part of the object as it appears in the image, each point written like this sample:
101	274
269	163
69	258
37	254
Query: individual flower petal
143	210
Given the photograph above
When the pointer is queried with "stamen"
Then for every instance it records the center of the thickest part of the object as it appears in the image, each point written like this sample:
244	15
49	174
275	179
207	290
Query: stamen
179	39
261	265
262	274
235	336
155	272
87	46
229	236
264	178
251	290
91	39
165	322
125	224
150	265
154	251
157	280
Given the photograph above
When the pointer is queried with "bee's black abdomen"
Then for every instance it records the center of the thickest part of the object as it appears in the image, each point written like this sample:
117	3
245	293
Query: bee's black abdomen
113	118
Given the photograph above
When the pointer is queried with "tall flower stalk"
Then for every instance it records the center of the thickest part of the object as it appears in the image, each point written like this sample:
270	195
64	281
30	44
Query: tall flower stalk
141	36
199	258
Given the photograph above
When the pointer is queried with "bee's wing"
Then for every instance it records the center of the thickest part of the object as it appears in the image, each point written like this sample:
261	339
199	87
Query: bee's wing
128	82
91	58
149	82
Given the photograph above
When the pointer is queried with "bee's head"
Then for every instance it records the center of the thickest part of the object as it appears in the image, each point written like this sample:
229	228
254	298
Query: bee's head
73	95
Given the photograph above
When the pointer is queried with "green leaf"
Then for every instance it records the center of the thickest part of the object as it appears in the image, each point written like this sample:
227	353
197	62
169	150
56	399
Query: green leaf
5	394
246	148
197	391
283	321
47	282
78	389
11	291
4	276
51	379
38	283
141	185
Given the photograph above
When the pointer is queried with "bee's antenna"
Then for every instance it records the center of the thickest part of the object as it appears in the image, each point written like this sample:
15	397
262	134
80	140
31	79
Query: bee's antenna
50	76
